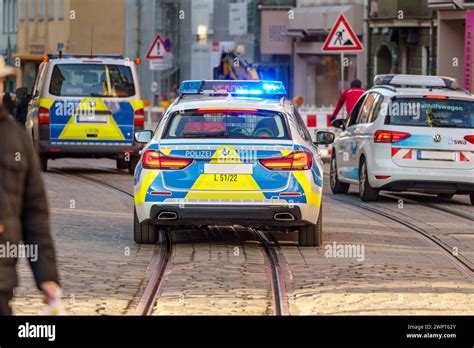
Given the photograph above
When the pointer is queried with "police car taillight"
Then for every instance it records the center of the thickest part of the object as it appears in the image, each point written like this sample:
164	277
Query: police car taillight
155	160
469	138
139	118
295	161
43	116
385	136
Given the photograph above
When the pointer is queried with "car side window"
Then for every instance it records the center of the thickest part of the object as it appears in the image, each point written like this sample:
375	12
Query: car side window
302	127
377	108
366	109
38	81
355	112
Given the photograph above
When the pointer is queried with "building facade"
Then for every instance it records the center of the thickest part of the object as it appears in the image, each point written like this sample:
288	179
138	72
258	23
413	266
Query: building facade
402	38
8	31
454	57
79	25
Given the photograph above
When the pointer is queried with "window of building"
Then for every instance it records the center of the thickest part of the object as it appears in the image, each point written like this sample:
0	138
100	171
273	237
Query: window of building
50	10
31	10
9	17
21	10
60	9
41	4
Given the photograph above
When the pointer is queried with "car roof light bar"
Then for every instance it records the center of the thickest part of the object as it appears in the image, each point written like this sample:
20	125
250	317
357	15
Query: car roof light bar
416	80
266	89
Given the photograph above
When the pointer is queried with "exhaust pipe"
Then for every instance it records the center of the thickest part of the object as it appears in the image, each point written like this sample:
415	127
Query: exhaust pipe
284	217
167	215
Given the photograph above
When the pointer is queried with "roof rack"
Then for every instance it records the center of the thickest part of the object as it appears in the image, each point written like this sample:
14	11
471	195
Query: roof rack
416	80
104	56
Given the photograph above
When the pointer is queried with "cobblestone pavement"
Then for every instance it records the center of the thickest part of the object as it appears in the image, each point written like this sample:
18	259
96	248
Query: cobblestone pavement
401	272
101	268
223	272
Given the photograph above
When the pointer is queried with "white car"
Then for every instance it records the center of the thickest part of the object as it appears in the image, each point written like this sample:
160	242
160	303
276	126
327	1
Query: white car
225	153
407	133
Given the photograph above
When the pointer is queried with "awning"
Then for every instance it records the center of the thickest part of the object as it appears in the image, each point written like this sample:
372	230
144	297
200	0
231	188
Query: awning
311	21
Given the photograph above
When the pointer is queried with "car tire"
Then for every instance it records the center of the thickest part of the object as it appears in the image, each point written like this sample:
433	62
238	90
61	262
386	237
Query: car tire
445	195
44	163
132	164
144	232
121	164
366	192
337	187
311	234
472	198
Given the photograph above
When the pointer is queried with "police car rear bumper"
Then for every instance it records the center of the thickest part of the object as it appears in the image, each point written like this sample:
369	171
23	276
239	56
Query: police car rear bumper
79	150
244	215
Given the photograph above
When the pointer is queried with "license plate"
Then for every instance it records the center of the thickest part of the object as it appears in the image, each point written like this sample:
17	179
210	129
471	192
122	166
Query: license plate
212	168
93	118
226	177
437	155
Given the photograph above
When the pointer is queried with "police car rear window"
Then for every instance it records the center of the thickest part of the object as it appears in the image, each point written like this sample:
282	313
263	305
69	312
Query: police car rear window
436	111
92	80
227	124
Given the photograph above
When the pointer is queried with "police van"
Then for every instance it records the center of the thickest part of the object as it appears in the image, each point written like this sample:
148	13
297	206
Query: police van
86	106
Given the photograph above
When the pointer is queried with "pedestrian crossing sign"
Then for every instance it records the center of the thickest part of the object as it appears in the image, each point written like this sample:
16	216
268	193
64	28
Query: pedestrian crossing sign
342	38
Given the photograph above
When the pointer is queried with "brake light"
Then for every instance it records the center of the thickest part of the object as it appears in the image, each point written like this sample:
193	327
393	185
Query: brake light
139	118
295	161
384	136
43	116
382	177
155	160
435	97
469	138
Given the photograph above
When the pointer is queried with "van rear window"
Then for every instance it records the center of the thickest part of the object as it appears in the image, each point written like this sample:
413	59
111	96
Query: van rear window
425	112
92	80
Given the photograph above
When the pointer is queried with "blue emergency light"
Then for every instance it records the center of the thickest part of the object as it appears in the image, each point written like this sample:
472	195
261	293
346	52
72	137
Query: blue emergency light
266	89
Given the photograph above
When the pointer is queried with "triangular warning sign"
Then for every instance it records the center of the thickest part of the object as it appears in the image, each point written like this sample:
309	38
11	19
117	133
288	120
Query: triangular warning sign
342	38
157	49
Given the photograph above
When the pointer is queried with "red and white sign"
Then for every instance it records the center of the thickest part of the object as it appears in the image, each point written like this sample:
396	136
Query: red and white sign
157	49
342	38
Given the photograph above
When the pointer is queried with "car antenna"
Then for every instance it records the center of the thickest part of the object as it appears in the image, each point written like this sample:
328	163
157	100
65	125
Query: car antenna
92	38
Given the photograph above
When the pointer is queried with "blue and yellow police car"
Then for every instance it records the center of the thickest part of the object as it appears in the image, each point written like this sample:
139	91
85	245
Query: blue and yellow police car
86	106
230	153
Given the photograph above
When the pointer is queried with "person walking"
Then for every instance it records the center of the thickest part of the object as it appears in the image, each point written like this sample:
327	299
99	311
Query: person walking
350	97
24	214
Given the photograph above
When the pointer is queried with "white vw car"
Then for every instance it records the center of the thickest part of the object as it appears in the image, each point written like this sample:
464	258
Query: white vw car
407	133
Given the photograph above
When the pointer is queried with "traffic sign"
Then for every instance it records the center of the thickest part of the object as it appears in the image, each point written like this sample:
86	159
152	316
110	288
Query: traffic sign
342	38
157	49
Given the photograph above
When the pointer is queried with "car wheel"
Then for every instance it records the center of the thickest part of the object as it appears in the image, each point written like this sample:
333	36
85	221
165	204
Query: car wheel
121	163
312	234
44	163
144	232
445	195
366	192
337	187
132	164
472	198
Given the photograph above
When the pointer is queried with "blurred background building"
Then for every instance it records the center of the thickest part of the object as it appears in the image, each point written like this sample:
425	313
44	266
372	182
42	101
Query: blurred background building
267	39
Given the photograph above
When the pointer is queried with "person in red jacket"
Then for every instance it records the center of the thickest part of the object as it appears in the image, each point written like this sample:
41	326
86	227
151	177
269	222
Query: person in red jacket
350	97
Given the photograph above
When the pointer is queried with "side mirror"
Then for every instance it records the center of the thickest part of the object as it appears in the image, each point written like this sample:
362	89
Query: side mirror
324	138
339	123
144	137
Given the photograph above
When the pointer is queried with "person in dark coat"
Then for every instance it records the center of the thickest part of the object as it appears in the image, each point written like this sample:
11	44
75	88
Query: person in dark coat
24	214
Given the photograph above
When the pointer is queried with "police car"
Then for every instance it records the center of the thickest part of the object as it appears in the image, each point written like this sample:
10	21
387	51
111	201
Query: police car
86	106
229	153
407	133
